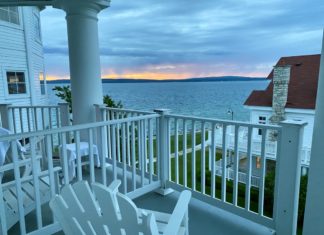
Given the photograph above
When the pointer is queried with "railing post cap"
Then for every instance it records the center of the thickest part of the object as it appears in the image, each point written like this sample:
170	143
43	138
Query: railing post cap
162	111
294	122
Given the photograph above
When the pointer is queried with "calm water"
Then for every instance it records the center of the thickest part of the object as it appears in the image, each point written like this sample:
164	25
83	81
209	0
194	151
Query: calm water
206	99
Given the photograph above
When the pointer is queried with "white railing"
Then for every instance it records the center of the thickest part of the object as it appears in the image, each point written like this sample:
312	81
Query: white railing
270	149
128	152
150	151
108	113
189	166
21	119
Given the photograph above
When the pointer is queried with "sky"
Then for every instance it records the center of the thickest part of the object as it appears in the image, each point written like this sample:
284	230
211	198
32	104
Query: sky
177	39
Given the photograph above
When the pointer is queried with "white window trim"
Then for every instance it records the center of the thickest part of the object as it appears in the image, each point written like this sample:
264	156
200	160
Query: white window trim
37	39
13	96
12	25
45	83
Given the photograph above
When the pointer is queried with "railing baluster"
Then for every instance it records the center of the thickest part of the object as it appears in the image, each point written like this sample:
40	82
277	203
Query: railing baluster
263	171
14	119
224	163
249	169
203	158
236	165
103	155
212	159
78	154
176	149
133	156
113	149
150	125
184	152
91	156
157	149
35	119
124	158
43	118
142	156
28	119
64	160
128	144
118	142
193	155
21	121
145	163
49	155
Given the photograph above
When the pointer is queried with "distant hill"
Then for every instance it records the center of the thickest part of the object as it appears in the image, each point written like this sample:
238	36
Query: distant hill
202	79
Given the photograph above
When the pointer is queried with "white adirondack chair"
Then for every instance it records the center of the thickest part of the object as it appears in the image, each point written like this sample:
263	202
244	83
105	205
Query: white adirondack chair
8	187
106	211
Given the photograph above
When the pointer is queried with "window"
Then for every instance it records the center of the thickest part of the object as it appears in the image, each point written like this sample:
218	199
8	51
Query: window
37	28
262	120
16	83
42	83
9	14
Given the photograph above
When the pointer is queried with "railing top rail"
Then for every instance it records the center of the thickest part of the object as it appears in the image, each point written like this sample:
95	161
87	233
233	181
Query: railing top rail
75	127
32	106
226	122
127	110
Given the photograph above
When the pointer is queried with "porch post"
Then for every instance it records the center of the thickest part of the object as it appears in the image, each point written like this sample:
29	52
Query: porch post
287	181
314	210
82	27
163	157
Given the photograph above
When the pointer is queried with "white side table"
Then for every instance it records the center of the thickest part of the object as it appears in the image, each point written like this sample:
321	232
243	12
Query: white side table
72	156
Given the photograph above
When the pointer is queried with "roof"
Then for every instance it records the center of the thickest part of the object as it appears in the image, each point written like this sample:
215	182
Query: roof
302	88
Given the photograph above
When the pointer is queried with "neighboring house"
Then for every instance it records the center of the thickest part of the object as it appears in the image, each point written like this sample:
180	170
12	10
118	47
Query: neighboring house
22	75
291	94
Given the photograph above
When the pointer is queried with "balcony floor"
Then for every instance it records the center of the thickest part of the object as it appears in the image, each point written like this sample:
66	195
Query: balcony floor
203	218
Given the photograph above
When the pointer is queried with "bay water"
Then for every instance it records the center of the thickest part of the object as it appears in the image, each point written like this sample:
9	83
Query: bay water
203	99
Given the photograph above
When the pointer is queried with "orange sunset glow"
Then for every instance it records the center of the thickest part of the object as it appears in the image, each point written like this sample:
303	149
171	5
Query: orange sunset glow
160	75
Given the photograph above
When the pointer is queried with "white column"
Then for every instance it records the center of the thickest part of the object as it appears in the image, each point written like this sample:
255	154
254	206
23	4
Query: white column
314	211
82	26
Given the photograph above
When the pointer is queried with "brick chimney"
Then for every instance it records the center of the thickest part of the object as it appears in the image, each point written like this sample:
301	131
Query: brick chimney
281	77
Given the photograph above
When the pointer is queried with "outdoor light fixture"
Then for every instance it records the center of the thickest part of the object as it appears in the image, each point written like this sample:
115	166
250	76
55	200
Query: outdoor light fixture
230	112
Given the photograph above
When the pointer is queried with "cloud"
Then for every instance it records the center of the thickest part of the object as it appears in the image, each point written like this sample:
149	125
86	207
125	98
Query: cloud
230	37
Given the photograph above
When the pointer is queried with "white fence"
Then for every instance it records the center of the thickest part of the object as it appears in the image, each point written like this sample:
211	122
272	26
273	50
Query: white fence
149	151
127	152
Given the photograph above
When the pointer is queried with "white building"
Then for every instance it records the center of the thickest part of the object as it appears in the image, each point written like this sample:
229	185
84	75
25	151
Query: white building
22	75
291	95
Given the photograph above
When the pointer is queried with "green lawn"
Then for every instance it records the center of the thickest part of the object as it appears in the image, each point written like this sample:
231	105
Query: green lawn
208	176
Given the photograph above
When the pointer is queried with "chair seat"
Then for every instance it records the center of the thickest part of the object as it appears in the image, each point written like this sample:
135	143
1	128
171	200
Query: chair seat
162	220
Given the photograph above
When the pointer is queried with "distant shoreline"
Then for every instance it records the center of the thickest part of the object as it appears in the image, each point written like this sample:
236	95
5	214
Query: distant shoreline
204	79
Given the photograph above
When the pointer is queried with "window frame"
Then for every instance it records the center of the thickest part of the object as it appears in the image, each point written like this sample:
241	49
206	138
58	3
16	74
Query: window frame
44	85
13	25
36	21
262	119
19	95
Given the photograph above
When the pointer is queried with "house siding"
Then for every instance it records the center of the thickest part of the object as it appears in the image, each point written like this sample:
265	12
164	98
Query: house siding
15	42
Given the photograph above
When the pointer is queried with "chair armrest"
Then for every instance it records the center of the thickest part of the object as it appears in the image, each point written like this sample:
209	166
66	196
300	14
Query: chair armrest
114	186
178	213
